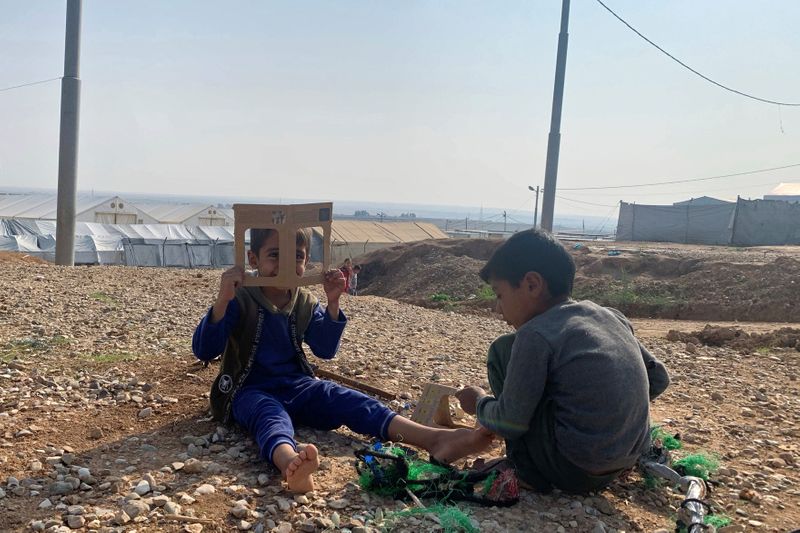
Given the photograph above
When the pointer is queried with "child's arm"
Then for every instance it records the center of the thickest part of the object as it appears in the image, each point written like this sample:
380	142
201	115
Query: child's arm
334	285
325	330
509	415
657	375
211	335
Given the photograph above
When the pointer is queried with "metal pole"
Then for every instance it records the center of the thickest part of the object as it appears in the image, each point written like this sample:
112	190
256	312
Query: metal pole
535	204
68	138
554	140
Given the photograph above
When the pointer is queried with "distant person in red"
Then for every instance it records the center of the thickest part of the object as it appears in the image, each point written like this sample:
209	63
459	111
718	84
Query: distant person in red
347	270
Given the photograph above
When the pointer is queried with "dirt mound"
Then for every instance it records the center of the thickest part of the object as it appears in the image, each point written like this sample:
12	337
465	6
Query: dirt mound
650	265
739	339
427	271
677	284
17	257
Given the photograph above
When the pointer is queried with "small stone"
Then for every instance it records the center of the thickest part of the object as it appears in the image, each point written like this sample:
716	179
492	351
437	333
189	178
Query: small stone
142	488
338	504
75	509
243	525
84	474
60	487
283	504
35	466
186	499
193	528
263	479
302	499
121	518
75	521
750	495
95	433
204	489
46	504
171	507
787	457
146	412
284	527
193	466
240	511
755	523
136	508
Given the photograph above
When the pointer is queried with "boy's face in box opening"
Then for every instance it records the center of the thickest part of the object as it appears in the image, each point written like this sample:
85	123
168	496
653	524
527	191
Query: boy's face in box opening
267	260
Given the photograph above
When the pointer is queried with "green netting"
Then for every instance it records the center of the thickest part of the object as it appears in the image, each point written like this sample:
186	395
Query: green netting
717	521
668	441
653	482
451	517
698	464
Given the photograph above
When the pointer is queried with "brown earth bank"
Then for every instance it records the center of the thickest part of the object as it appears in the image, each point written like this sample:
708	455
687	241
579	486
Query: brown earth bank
642	280
103	416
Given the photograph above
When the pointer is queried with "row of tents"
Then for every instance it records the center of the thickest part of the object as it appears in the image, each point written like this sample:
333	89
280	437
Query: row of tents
114	210
178	245
740	223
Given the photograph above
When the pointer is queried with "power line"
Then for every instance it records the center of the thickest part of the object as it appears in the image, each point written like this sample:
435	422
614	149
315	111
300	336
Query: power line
29	84
684	65
587	203
685	192
672	182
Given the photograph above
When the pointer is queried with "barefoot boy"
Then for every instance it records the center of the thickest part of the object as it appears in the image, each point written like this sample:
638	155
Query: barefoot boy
571	388
266	384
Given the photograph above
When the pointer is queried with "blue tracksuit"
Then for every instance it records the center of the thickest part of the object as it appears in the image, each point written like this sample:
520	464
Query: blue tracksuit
277	393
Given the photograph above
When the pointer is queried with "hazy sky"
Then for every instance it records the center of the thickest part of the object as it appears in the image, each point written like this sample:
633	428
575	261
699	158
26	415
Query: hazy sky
436	101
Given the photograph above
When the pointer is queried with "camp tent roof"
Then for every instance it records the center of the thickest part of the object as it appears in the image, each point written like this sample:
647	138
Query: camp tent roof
702	200
44	206
177	213
384	232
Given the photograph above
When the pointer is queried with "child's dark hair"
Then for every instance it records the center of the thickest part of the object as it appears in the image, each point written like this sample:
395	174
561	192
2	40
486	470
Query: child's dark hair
259	235
357	267
532	251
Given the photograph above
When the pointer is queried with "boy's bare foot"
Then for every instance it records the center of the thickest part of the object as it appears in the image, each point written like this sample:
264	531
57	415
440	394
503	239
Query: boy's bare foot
299	471
453	445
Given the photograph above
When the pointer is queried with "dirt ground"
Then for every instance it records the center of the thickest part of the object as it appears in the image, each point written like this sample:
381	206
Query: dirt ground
103	411
645	280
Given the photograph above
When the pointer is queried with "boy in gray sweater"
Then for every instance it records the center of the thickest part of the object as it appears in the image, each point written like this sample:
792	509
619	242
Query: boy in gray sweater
571	388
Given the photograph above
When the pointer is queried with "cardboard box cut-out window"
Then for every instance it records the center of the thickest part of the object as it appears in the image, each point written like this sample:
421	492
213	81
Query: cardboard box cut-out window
286	220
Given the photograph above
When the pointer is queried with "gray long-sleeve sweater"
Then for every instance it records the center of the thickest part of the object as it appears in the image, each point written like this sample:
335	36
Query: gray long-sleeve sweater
586	359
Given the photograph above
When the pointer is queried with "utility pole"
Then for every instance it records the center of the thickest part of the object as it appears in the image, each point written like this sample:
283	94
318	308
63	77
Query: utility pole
504	221
466	222
554	140
535	205
68	138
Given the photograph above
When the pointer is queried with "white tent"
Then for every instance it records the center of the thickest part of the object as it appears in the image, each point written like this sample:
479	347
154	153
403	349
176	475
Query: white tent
109	210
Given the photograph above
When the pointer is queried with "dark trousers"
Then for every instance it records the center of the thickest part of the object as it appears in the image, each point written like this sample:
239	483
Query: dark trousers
535	455
269	414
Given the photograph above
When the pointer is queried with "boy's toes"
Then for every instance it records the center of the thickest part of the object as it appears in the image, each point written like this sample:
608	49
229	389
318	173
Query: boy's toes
299	471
